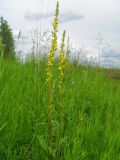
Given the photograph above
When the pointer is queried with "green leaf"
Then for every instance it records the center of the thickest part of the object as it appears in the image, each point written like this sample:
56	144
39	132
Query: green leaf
3	126
62	140
42	142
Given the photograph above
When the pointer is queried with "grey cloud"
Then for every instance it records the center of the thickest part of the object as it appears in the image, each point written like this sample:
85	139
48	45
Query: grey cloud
34	16
111	53
64	17
111	57
70	16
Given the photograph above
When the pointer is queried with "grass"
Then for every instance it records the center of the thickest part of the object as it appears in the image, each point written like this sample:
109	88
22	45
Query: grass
51	109
91	113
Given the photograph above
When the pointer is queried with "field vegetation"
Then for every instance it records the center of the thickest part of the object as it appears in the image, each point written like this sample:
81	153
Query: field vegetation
56	109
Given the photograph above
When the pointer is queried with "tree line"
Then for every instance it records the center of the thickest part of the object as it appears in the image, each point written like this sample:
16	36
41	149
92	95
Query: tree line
6	39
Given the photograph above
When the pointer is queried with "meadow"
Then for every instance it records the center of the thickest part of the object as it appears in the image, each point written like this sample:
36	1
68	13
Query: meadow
90	109
56	109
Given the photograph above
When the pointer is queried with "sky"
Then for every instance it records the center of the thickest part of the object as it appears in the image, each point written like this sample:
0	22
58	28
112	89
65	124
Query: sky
82	19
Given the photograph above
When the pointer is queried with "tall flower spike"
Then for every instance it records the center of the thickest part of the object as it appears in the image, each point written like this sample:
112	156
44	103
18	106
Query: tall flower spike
49	79
53	49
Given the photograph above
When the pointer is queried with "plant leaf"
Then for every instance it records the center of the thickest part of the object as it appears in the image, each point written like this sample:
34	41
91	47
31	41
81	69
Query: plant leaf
62	140
42	142
3	126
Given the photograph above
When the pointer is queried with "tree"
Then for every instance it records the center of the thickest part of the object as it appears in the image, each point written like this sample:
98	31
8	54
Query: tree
7	38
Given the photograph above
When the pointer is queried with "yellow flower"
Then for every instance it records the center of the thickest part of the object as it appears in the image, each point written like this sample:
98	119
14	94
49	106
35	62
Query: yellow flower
53	49
49	76
49	54
50	63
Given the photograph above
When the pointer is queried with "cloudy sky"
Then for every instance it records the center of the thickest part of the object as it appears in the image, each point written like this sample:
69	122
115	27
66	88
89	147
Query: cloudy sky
82	19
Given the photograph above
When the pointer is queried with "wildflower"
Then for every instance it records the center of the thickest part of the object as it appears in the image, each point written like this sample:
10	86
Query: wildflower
49	77
53	49
50	63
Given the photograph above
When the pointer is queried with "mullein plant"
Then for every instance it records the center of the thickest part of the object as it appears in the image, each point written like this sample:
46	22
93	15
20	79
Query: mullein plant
61	69
50	78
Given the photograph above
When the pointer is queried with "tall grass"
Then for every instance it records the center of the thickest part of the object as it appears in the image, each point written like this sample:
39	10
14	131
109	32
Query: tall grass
71	112
91	114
